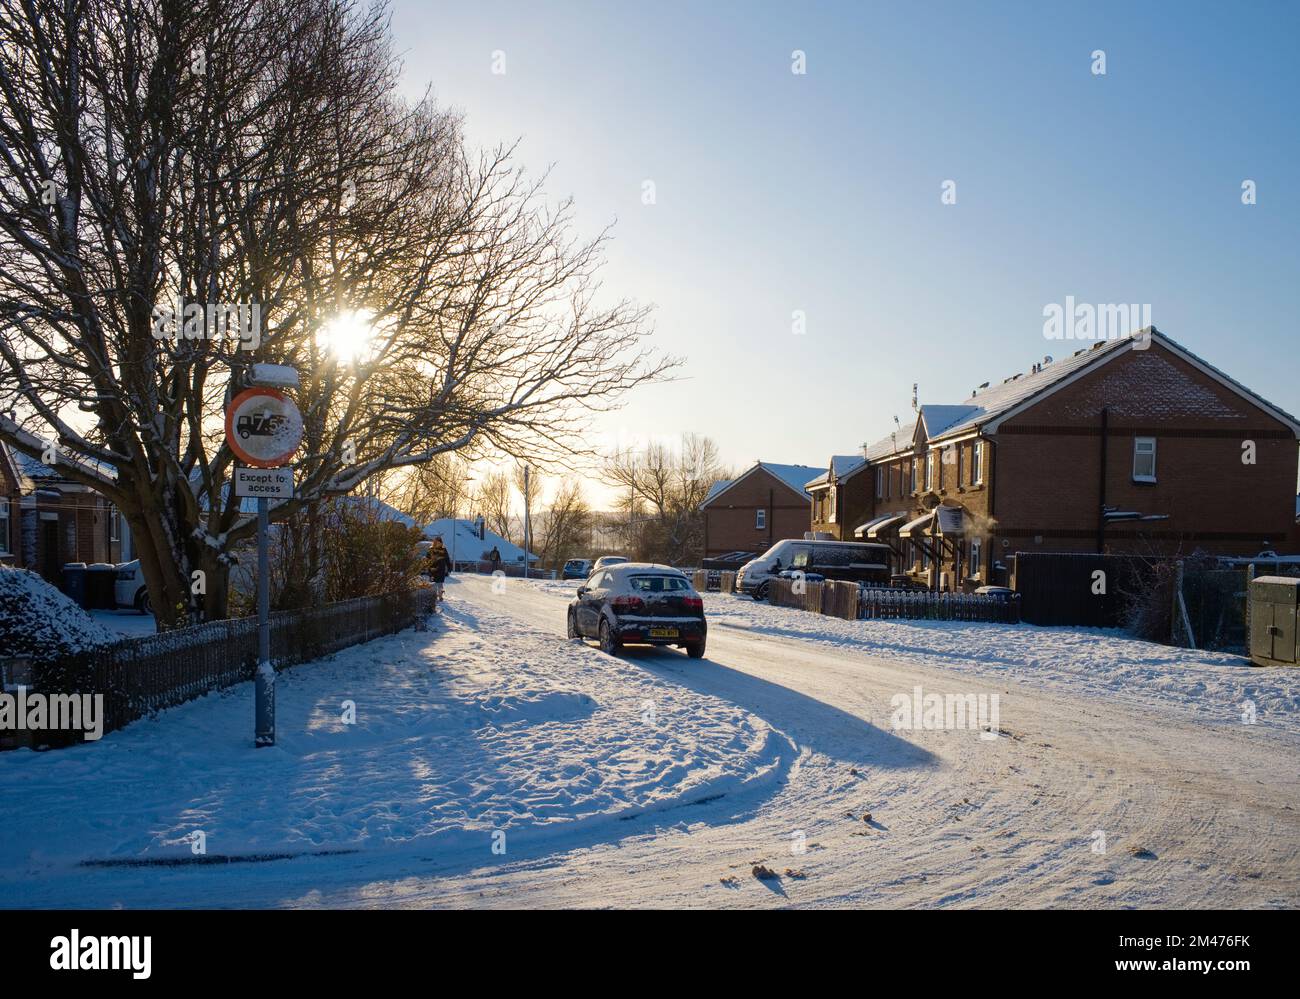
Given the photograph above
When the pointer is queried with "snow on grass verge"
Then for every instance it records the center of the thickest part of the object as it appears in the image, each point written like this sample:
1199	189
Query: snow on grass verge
1096	661
479	726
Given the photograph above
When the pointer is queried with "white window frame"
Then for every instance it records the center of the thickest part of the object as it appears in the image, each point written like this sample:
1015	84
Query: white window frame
977	464
880	482
831	499
1138	444
929	470
760	519
4	526
974	564
114	524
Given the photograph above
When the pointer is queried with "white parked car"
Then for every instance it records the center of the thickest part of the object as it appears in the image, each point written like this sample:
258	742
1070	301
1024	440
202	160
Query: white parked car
129	590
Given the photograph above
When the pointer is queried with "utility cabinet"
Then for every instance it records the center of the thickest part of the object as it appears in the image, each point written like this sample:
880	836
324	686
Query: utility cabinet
1274	603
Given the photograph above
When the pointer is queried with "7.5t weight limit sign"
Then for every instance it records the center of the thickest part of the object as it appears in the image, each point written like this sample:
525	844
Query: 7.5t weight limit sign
263	427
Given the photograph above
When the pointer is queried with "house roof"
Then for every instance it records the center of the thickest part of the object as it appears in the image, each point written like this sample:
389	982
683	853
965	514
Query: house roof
986	409
999	402
793	476
464	541
842	466
31	471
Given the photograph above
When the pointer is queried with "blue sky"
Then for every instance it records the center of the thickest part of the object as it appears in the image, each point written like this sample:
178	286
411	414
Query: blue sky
820	192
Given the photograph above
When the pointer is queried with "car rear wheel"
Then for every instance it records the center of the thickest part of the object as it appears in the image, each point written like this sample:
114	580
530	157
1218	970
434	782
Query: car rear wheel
695	650
573	625
761	592
608	643
142	602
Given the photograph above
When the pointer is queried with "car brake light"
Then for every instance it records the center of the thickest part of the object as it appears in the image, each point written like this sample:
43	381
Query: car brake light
623	605
695	603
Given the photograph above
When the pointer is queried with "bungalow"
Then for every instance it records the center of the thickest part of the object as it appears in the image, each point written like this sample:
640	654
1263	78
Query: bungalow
1130	445
753	511
47	520
469	542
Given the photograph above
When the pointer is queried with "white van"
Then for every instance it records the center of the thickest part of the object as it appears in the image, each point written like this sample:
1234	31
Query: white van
856	561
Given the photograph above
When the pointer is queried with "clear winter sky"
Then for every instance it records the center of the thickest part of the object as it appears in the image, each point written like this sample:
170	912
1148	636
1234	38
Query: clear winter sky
778	192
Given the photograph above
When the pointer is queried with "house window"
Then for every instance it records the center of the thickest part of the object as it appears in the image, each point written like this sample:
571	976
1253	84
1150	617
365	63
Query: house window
1144	459
760	519
880	481
976	555
929	470
114	524
911	482
831	502
4	526
977	463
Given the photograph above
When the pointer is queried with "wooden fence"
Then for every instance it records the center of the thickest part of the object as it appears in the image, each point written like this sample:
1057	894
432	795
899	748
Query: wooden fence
851	601
139	676
1063	588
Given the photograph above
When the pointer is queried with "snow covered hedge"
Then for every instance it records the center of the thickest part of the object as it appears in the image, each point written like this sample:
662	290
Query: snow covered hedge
38	622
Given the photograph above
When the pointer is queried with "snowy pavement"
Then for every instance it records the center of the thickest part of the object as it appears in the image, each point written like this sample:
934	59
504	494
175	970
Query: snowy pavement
1123	775
127	623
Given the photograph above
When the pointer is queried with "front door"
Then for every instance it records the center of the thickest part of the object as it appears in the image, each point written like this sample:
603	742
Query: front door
50	561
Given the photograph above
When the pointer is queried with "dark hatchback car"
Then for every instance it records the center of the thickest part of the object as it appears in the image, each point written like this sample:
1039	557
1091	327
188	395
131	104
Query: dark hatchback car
639	603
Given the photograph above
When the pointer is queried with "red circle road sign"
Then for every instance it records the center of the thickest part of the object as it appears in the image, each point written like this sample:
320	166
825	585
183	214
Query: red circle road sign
263	427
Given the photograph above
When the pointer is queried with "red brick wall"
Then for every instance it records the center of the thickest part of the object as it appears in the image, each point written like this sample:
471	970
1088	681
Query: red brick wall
729	519
854	503
1048	460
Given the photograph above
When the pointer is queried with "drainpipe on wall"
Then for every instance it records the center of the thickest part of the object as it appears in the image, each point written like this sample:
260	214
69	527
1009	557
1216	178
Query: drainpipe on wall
1101	506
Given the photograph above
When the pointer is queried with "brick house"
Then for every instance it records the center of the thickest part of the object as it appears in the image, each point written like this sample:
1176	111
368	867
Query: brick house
841	497
1130	445
753	511
46	520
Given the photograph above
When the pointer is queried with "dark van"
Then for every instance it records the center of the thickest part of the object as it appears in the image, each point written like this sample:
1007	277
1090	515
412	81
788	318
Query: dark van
854	561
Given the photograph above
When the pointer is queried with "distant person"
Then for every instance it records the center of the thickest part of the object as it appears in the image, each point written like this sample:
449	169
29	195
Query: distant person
494	556
439	563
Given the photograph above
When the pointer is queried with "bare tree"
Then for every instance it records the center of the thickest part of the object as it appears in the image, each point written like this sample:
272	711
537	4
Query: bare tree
564	528
664	489
254	154
439	488
495	502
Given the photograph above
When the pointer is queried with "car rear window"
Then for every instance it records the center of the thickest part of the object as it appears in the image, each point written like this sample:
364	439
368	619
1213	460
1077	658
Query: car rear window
658	584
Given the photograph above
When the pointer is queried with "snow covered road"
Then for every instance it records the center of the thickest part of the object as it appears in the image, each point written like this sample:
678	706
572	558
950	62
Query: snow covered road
655	780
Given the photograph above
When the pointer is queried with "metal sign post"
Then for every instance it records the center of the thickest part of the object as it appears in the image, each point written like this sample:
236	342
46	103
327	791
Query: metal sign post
264	682
264	429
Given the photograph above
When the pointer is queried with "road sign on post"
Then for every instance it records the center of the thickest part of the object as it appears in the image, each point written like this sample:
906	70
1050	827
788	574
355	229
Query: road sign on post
269	483
263	429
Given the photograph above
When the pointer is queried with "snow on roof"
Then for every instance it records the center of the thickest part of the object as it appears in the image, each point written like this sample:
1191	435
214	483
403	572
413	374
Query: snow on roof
841	466
465	543
884	446
793	476
937	419
34	470
716	488
380	509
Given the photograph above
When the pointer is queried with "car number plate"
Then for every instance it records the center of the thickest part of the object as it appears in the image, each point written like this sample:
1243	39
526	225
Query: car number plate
663	632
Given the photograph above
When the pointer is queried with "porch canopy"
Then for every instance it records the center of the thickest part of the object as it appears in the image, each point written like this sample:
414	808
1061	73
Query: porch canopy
877	527
918	527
